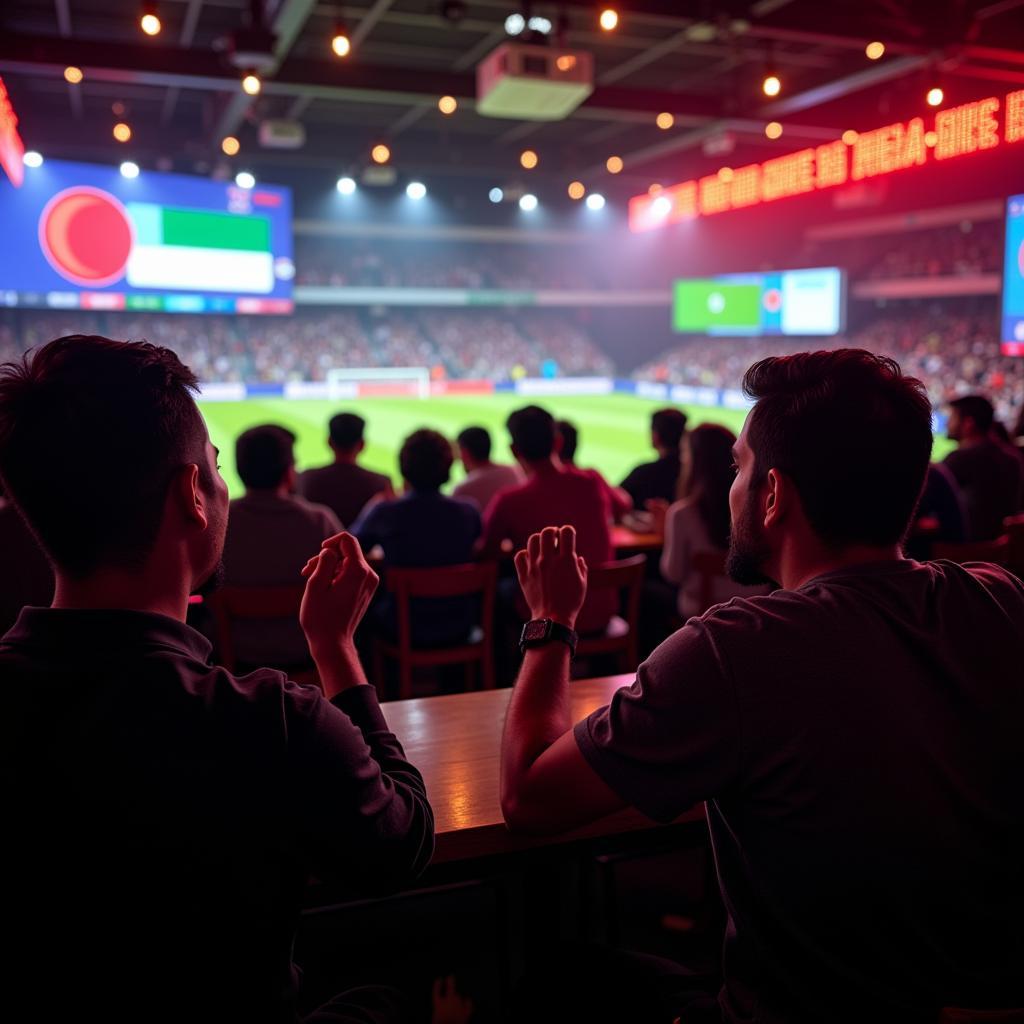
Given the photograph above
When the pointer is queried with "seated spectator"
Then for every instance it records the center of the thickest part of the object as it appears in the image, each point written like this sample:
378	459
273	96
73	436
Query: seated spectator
483	478
941	517
344	486
699	521
269	532
420	530
855	734
168	813
659	479
566	441
553	494
25	575
989	474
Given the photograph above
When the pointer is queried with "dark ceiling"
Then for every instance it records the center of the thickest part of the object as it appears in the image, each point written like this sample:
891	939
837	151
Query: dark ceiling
701	61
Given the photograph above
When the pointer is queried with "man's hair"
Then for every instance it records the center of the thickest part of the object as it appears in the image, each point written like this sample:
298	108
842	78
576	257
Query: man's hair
476	441
977	408
263	455
669	425
709	478
426	460
92	432
854	434
533	432
346	430
570	438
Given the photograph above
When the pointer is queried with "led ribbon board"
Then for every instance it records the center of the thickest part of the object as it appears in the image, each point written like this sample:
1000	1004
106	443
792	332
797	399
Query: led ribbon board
958	131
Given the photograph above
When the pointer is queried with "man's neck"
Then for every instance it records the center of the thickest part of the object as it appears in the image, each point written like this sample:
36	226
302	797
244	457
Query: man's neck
125	590
973	441
544	467
796	567
482	464
345	458
281	491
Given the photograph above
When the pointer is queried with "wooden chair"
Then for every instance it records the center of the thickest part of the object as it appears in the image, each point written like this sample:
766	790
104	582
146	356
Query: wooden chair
442	581
254	604
620	636
709	566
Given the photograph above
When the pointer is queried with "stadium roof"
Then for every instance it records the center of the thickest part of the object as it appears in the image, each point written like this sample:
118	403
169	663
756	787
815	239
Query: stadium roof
701	61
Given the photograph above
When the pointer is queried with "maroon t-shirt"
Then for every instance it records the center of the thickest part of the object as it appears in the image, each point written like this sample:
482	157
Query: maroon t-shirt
860	745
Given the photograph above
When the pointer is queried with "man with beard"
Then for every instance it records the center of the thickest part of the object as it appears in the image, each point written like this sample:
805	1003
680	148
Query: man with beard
162	815
855	734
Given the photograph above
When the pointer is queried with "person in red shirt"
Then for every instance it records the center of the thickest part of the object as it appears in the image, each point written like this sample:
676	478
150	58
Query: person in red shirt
553	495
566	440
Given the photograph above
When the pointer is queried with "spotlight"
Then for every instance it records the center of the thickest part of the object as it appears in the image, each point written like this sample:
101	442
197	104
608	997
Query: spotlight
566	62
528	202
346	185
32	159
496	195
614	164
849	136
341	44
665	121
773	130
541	25
129	169
415	190
230	145
122	132
654	189
73	75
245	179
935	96
149	20
661	207
725	174
576	190
609	19
380	154
874	50
251	84
931	139
772	84
595	201
447	104
528	159
515	24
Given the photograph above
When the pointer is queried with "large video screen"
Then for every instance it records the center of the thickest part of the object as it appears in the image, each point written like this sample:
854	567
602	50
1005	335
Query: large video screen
1013	279
797	302
82	236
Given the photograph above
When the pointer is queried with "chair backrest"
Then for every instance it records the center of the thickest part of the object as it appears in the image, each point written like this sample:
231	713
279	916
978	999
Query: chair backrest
237	604
708	567
619	575
997	551
442	581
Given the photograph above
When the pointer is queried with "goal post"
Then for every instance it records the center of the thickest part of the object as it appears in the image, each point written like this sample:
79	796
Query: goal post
380	381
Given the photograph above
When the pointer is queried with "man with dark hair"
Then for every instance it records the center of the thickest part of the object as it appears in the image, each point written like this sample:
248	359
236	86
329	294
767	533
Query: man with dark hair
855	734
344	486
989	473
566	441
552	495
659	479
270	531
26	575
483	478
423	529
167	813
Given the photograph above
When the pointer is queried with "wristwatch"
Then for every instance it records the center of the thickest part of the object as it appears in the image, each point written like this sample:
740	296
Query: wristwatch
538	632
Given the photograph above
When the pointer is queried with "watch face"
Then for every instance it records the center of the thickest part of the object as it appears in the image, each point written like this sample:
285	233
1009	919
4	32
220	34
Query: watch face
536	630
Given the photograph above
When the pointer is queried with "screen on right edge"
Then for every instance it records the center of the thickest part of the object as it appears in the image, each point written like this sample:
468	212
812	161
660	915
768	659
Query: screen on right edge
1013	279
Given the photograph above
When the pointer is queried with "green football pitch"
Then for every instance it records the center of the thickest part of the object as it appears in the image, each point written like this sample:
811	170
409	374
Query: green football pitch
614	429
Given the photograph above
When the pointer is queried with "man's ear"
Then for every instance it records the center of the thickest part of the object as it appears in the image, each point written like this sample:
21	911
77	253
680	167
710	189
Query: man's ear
780	499
360	447
559	444
188	495
290	477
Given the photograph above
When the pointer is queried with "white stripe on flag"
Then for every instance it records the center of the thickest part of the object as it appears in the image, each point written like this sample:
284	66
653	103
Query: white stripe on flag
208	270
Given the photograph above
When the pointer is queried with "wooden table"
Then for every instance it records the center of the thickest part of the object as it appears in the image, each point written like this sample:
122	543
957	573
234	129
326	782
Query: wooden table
455	741
625	541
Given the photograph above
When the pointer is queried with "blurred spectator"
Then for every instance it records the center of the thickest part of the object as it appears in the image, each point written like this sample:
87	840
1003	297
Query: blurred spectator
989	474
483	478
270	536
424	529
619	501
344	486
659	479
941	517
553	495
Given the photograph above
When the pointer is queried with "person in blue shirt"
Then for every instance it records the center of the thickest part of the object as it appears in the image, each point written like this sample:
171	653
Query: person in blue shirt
424	529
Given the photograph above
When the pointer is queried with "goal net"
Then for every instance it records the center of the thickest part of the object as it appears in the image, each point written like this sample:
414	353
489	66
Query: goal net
367	382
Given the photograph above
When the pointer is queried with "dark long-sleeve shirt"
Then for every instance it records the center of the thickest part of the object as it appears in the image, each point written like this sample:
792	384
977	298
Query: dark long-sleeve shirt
163	816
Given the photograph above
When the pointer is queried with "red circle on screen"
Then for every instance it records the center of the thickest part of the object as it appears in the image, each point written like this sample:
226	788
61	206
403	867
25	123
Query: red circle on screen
772	300
86	235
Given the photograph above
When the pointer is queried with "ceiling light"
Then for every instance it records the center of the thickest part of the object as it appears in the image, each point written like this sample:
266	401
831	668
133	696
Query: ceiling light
935	96
245	179
32	159
515	24
772	84
614	164
230	145
129	169
773	130
380	154
528	202
73	75
415	190
447	104
576	190
346	185
609	19
566	62
850	136
665	121
874	50
528	159
595	201
122	132
662	206
541	25
496	195
251	84
149	20
341	44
